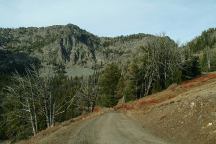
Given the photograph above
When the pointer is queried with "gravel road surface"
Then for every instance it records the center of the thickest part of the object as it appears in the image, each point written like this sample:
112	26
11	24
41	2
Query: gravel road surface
113	128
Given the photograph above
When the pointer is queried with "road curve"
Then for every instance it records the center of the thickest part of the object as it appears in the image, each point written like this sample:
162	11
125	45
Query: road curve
113	128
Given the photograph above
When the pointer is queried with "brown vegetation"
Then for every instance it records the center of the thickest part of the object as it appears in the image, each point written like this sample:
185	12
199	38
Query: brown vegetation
171	92
180	114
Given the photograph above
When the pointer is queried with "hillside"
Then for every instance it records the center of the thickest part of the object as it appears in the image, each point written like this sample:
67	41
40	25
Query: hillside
206	39
204	46
55	45
181	114
76	49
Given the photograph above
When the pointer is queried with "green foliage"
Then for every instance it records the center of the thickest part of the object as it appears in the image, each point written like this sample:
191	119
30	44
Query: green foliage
107	101
108	85
160	63
204	62
4	81
213	60
157	66
63	90
191	68
131	89
204	46
208	55
11	62
59	69
207	39
14	118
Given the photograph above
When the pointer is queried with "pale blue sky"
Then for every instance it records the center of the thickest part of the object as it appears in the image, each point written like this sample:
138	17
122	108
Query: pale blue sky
182	20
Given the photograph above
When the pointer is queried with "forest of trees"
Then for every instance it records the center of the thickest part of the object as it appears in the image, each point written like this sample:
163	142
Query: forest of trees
32	102
204	46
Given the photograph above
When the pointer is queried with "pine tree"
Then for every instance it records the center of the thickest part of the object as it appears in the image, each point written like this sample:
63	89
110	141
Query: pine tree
191	68
108	85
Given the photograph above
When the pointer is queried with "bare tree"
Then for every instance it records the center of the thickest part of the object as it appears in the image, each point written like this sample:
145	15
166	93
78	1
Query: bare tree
33	95
208	56
24	94
87	95
160	61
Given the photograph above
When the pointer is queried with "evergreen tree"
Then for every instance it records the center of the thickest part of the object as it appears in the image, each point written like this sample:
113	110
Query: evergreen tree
108	85
131	90
191	68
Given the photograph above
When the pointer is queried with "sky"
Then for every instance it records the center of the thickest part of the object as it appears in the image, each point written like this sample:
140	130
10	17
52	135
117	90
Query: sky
182	20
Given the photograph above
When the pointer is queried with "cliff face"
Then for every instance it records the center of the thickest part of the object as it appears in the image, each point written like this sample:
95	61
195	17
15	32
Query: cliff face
71	46
52	45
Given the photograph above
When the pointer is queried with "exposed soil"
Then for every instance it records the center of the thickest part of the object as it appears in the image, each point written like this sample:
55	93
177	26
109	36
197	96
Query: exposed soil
184	114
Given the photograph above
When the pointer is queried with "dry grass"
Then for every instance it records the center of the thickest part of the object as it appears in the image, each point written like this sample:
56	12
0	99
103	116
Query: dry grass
183	114
172	92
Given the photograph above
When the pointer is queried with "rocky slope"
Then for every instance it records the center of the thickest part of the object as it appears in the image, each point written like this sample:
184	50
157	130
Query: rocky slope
78	50
54	44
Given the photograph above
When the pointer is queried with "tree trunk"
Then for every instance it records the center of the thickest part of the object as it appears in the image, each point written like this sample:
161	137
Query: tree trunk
31	118
208	59
46	113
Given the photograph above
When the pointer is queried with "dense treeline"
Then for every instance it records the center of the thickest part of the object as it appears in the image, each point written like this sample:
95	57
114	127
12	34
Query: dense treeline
206	39
15	61
31	102
159	64
204	46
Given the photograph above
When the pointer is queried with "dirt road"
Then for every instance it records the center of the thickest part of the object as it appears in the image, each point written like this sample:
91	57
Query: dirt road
113	128
108	128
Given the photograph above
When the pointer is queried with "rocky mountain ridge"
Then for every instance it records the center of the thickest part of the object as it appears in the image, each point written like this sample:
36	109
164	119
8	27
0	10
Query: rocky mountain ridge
72	47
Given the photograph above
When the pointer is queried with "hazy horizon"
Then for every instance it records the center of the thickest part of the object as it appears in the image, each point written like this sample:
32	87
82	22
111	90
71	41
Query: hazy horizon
181	20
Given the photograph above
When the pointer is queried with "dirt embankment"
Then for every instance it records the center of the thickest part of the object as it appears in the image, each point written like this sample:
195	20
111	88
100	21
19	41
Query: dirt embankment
184	114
